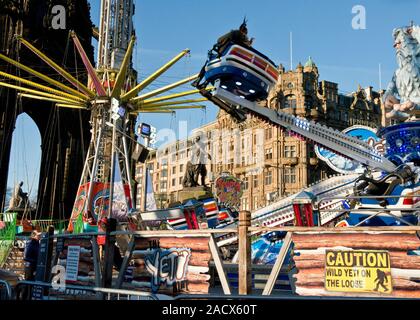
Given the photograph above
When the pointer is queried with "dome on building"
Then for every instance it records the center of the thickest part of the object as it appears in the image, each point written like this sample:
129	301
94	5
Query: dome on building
310	63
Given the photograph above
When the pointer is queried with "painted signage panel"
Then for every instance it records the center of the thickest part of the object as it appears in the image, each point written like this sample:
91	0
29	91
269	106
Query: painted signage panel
344	165
72	266
167	266
99	205
229	191
170	265
358	271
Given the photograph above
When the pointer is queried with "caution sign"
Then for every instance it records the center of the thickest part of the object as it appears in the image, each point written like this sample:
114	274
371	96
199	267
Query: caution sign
358	271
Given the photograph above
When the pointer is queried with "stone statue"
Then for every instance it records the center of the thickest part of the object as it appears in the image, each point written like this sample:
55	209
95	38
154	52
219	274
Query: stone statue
19	199
199	160
402	97
197	165
189	176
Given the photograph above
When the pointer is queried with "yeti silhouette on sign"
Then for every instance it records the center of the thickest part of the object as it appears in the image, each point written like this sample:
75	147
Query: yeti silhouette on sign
381	279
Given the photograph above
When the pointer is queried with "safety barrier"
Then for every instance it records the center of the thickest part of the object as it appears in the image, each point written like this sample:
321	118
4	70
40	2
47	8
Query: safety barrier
25	291
5	291
142	243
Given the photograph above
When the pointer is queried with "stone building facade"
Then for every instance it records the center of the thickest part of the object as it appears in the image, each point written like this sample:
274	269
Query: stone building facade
270	161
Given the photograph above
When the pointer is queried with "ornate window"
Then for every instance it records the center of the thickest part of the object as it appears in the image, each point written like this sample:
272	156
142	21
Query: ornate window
268	177
289	151
245	183
255	181
290	101
308	102
255	204
269	154
268	133
290	175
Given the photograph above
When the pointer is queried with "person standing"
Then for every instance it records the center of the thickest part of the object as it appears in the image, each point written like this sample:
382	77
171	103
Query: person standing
31	255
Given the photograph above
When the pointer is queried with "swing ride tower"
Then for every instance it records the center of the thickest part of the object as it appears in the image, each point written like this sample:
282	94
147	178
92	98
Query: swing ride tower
113	99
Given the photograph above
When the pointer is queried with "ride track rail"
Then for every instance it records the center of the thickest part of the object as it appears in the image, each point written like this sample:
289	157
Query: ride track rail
331	139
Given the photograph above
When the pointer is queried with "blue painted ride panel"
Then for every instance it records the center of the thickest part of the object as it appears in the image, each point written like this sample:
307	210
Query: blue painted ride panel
251	87
402	142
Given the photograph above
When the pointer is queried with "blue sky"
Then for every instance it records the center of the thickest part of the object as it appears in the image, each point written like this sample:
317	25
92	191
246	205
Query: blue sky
321	29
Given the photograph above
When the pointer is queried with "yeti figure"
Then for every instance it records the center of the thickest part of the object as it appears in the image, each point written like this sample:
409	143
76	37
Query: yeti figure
402	97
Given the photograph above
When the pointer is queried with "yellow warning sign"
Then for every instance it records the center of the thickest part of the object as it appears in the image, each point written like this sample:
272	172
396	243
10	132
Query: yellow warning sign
358	271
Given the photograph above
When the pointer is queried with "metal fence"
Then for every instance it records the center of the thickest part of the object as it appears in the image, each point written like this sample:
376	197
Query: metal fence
34	290
5	291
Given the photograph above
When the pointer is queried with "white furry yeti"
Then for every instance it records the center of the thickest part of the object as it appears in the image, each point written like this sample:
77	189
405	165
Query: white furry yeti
405	83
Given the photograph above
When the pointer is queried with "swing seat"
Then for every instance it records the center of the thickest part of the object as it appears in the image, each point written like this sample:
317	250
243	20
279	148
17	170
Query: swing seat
242	71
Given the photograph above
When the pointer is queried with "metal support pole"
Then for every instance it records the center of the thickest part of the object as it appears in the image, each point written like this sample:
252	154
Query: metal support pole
50	233
128	171
113	161
109	253
146	172
244	276
94	169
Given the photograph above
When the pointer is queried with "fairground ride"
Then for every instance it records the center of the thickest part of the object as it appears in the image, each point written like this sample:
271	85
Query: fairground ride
114	100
